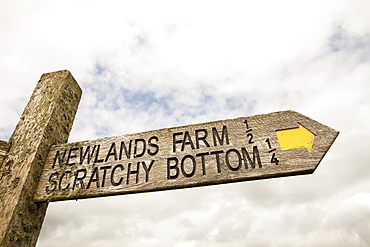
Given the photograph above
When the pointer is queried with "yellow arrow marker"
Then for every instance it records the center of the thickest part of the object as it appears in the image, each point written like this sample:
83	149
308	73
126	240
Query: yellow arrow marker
300	137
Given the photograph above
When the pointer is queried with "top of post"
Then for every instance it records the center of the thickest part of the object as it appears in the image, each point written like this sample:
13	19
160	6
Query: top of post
46	120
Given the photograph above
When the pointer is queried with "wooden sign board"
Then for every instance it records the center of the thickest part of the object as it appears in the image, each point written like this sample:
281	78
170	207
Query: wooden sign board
247	148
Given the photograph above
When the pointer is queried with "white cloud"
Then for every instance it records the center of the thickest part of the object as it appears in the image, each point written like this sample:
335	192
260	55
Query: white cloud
151	64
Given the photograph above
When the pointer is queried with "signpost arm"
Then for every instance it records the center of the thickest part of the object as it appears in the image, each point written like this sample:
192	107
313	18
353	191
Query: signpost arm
46	120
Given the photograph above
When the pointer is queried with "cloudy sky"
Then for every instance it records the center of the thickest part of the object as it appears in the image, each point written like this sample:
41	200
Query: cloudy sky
145	65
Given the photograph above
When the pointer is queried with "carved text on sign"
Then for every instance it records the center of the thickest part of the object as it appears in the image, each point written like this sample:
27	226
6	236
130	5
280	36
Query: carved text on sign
240	149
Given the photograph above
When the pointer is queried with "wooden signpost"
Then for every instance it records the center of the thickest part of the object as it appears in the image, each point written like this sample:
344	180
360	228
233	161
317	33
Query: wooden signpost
46	120
248	148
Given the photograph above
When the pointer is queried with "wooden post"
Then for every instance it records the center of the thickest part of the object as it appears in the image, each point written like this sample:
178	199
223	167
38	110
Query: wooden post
46	120
4	147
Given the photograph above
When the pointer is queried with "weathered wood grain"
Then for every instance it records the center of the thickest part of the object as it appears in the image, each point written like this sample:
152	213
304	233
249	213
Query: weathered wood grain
4	147
225	151
46	120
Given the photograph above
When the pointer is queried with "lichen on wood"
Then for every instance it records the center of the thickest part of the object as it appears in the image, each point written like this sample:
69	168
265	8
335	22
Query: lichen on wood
47	120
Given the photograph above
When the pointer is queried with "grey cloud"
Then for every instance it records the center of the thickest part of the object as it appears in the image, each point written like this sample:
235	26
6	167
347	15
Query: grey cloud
155	67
